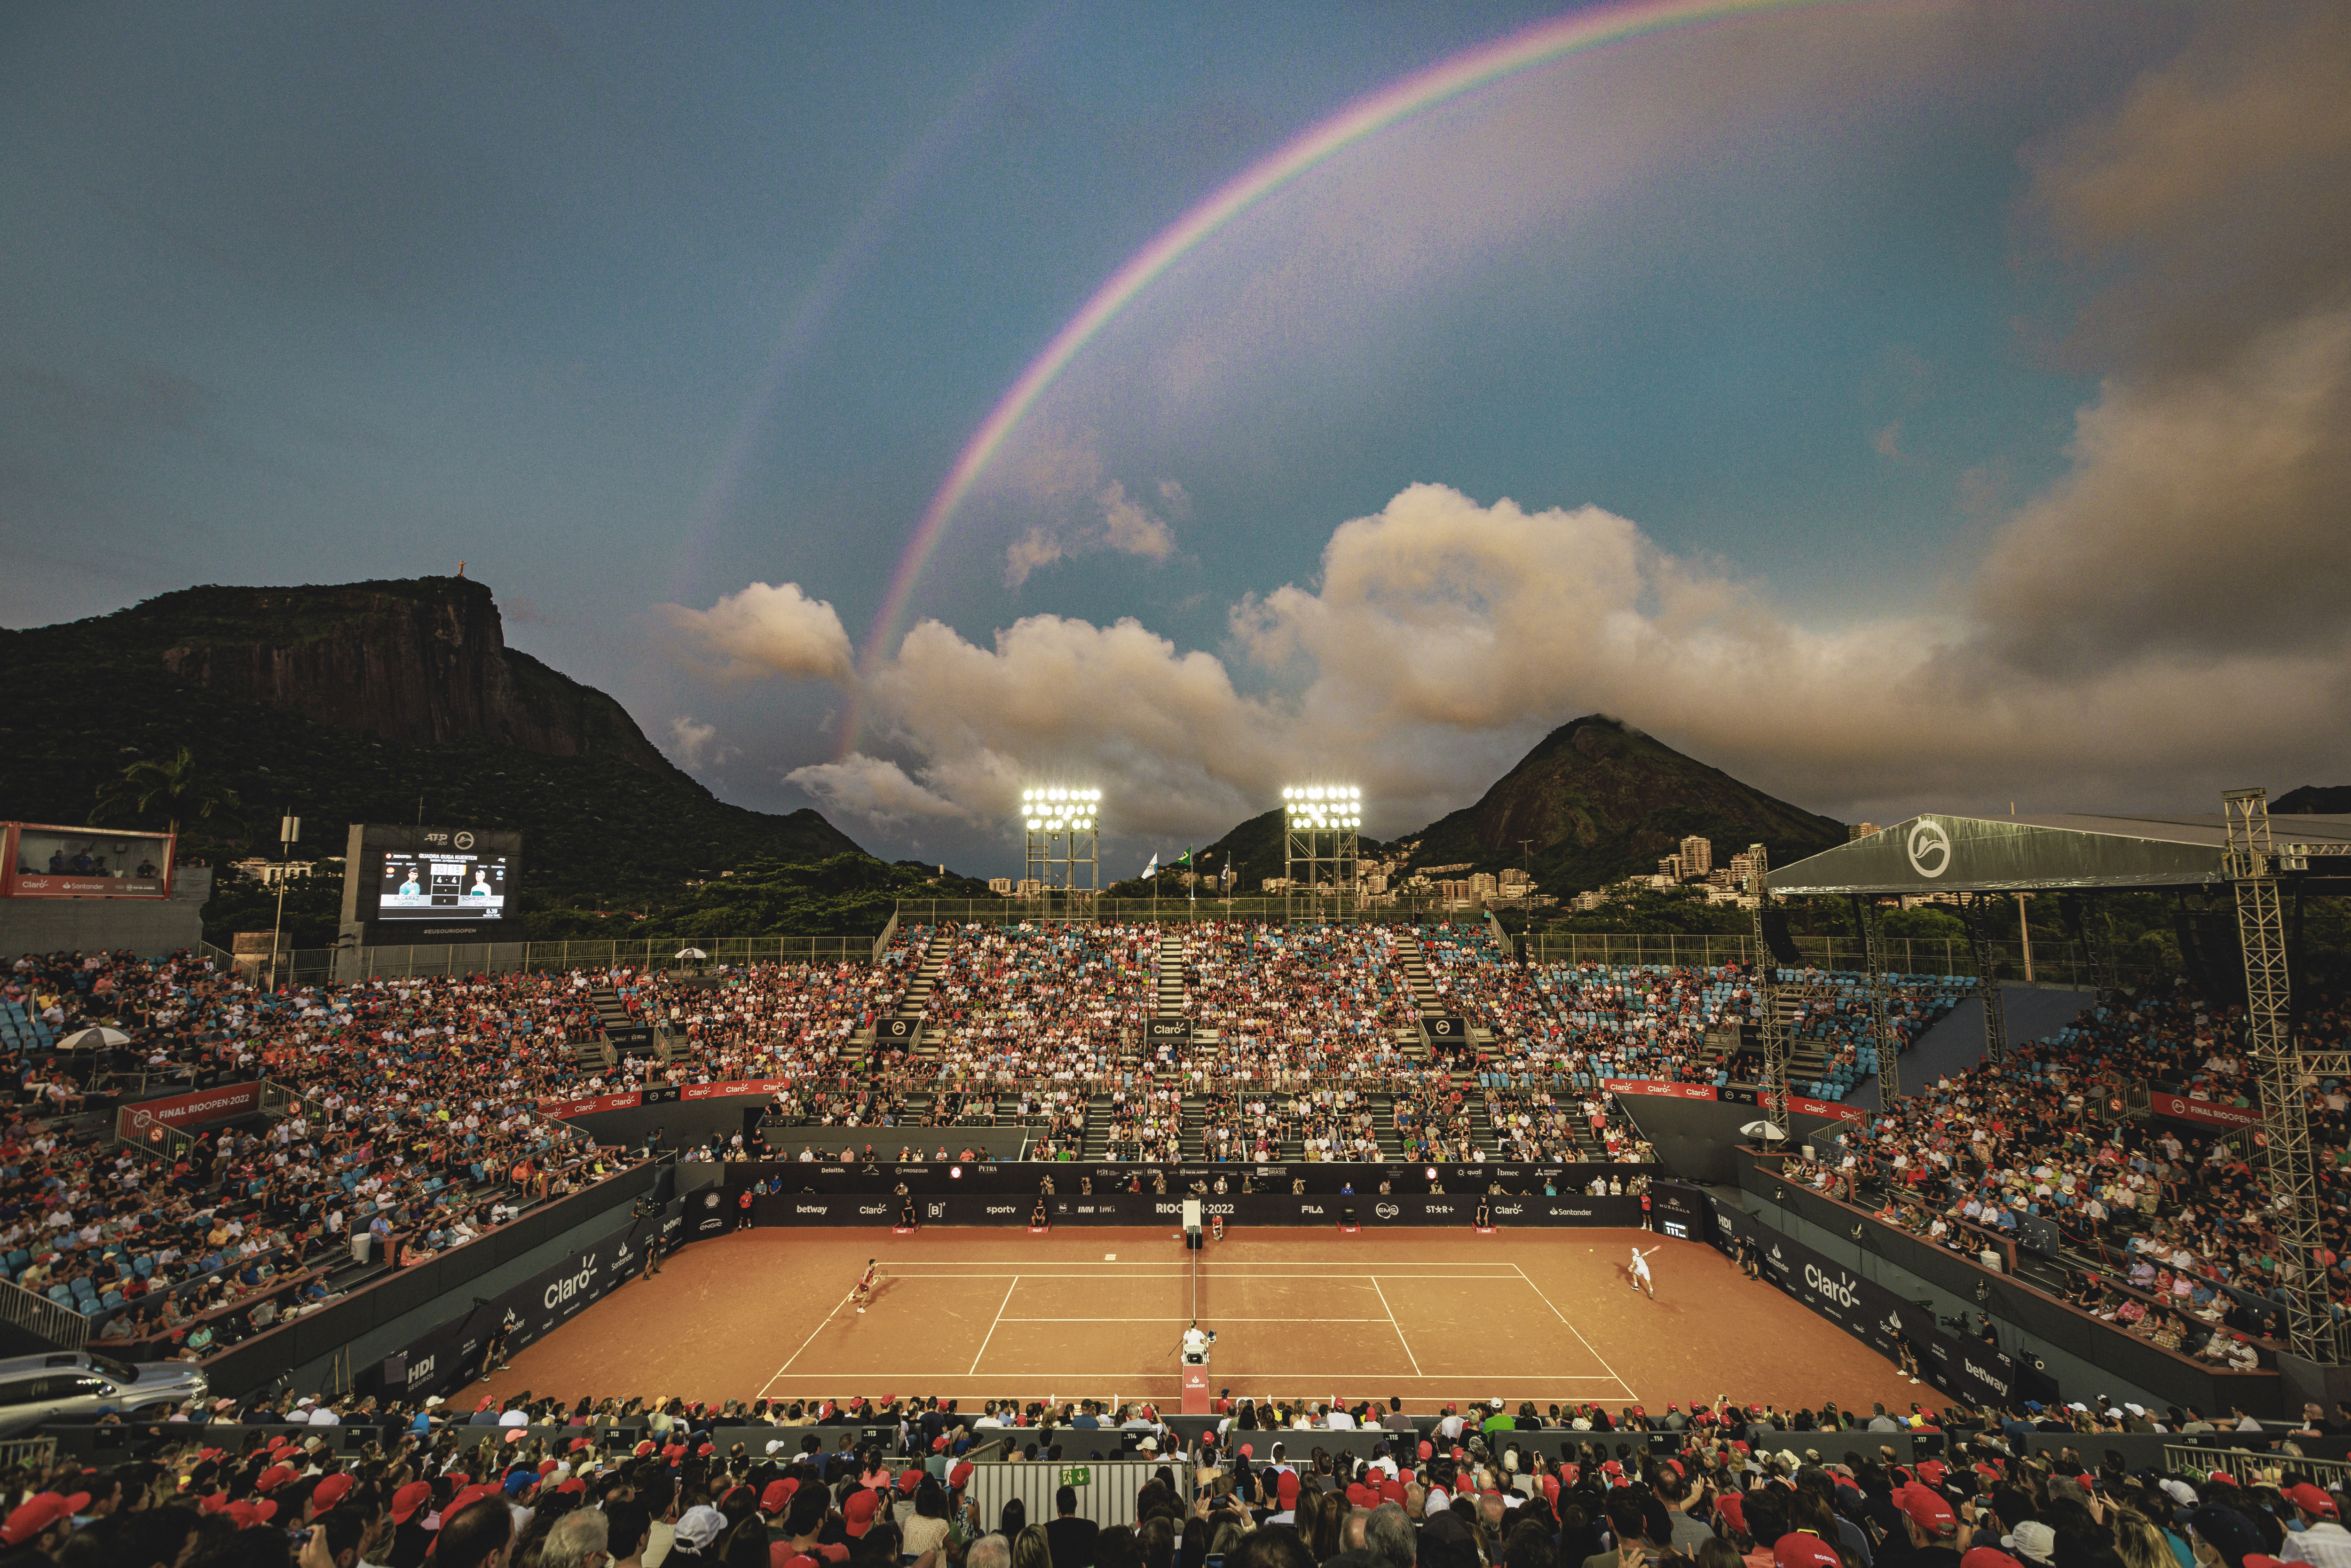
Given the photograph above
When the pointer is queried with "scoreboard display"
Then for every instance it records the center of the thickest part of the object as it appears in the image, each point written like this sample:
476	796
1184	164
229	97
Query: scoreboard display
413	885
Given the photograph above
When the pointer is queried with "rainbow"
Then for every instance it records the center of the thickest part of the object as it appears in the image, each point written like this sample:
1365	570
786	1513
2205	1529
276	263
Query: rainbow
1441	83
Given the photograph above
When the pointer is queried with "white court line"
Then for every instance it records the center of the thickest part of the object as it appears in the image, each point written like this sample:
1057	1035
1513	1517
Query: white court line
1179	1318
1399	1329
991	1328
1350	1376
804	1343
1048	1274
1579	1336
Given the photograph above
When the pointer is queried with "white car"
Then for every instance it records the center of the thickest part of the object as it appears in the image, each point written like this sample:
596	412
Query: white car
76	1384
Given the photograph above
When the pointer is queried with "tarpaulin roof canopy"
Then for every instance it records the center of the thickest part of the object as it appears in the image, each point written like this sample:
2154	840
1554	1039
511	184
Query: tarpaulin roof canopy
1938	852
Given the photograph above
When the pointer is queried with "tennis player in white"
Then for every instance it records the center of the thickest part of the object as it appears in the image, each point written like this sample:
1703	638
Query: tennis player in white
1641	1279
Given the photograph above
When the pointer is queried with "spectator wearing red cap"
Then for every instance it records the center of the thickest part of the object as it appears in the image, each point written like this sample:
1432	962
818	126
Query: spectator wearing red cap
1938	1538
42	1521
476	1531
2321	1542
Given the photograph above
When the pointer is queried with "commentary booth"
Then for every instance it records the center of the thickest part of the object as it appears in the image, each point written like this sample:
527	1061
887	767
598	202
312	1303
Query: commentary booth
2242	876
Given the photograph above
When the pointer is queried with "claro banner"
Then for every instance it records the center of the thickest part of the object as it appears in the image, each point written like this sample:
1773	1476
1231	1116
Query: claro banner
1827	1110
449	1356
1965	1369
145	1120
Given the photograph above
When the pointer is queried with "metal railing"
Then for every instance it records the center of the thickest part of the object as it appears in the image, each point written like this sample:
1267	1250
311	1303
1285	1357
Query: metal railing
2245	1463
37	1315
2054	963
36	1454
1106	1488
319	965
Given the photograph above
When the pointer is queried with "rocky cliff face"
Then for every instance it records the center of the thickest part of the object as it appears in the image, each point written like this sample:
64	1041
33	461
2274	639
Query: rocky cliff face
423	662
1598	801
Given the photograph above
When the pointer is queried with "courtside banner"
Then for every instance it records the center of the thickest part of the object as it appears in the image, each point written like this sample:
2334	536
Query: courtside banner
144	1121
1152	1209
1872	1314
737	1087
2204	1112
593	1102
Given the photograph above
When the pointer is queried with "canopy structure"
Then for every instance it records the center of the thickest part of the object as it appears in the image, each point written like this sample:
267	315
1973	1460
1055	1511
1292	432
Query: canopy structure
1941	853
2242	848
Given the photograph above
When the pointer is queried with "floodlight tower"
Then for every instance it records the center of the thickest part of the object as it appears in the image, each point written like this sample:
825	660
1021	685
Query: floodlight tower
1064	842
1319	823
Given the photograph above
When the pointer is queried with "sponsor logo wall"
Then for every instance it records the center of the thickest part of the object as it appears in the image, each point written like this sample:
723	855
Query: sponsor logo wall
1020	1179
1964	1368
1147	1208
1828	1110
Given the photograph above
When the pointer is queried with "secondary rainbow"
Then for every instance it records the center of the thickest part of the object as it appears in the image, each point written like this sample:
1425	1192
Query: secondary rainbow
1438	84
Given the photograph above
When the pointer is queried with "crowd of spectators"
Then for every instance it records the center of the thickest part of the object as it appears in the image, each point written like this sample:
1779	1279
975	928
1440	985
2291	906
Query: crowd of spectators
1289	1005
529	1484
409	1113
1041	1003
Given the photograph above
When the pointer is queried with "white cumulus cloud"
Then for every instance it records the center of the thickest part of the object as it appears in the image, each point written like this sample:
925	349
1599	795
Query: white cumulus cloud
764	630
874	788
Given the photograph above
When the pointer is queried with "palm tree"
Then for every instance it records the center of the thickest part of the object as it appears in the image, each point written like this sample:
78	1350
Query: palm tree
179	783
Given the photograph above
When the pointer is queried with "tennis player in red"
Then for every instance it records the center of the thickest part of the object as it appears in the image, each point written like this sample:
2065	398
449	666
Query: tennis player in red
865	1285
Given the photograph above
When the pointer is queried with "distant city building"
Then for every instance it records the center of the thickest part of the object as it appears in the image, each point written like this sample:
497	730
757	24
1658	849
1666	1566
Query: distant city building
1862	830
1697	856
1670	868
1002	885
1483	886
269	873
1277	884
1029	887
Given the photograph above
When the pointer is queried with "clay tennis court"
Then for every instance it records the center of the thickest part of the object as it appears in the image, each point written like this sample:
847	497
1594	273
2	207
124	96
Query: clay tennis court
1427	1315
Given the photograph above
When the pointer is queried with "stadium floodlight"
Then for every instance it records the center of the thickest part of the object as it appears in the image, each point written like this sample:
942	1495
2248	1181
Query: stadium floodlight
1321	821
1063	823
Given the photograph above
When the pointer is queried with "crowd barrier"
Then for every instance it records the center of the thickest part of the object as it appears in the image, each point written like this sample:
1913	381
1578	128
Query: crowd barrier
1106	1488
1147	1208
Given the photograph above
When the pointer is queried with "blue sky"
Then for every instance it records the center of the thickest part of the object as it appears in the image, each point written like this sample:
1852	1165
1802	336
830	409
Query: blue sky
631	308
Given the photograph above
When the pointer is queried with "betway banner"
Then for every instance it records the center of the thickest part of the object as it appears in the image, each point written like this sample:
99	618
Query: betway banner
1827	1110
1965	1369
145	1120
2206	1112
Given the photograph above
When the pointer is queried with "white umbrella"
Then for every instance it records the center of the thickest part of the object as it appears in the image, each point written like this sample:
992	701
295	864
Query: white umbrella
691	953
98	1036
1761	1130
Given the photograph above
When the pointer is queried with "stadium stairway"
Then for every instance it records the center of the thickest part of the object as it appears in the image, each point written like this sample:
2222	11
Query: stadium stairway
612	1013
1169	975
1194	1141
916	1002
1416	970
1384	1126
1097	1144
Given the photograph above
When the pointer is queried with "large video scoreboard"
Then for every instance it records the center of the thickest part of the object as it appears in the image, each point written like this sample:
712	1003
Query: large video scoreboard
424	884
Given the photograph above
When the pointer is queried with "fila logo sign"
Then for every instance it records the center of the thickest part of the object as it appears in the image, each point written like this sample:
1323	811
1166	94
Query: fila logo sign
1930	847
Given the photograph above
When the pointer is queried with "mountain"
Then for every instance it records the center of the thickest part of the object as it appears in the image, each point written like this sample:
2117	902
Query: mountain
2315	800
387	702
1597	801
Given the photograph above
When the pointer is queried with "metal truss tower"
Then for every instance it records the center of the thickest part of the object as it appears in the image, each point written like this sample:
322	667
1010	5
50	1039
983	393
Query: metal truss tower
1980	917
1871	921
2253	862
1775	1003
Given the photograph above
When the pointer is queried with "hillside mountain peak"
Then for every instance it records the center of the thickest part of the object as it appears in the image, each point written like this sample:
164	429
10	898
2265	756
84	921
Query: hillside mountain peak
1597	799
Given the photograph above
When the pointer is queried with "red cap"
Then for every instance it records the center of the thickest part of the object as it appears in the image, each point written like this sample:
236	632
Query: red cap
642	1450
466	1499
858	1511
781	1555
249	1514
1359	1496
1927	1509
547	1466
408	1499
778	1493
32	1517
573	1483
1992	1557
1428	1449
2309	1500
959	1476
939	1445
1798	1550
1286	1484
328	1492
1250	1453
909	1479
1732	1506
272	1477
1932	1471
577	1444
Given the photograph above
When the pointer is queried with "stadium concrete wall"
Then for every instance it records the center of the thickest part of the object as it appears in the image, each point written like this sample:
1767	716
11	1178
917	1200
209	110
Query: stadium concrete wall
151	927
1699	1140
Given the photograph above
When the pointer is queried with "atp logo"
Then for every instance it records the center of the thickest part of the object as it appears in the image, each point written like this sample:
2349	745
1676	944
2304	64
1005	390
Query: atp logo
1930	848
